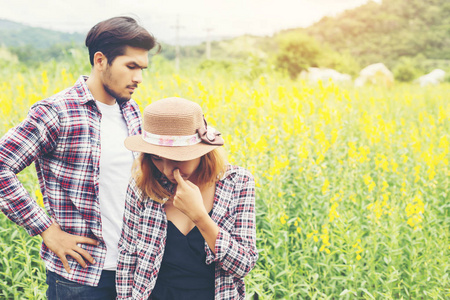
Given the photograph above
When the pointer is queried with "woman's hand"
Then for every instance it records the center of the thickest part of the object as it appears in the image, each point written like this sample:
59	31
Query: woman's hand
188	198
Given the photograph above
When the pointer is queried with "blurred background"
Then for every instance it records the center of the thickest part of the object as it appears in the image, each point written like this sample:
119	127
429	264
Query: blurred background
409	37
338	108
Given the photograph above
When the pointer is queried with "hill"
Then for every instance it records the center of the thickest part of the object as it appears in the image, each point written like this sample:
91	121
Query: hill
388	31
14	34
411	34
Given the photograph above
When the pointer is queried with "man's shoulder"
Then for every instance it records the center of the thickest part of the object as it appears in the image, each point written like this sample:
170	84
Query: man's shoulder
68	98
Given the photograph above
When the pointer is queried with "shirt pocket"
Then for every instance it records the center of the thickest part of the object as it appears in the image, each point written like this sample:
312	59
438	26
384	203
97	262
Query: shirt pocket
74	145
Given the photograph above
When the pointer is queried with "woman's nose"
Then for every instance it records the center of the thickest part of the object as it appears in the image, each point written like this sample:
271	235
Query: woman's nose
169	167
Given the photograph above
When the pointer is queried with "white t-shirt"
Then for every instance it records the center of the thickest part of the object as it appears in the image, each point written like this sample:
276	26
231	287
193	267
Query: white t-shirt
115	172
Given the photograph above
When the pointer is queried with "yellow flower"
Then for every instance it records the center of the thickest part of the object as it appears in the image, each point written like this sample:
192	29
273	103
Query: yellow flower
320	159
39	197
414	211
358	257
333	214
283	219
325	186
385	186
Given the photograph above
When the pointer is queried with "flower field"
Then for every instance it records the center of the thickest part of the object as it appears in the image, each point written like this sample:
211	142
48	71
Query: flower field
352	184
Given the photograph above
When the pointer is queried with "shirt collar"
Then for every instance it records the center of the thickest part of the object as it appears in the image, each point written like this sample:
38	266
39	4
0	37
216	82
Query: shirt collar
83	90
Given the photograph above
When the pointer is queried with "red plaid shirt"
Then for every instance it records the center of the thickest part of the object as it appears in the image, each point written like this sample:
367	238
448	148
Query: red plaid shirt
141	246
61	135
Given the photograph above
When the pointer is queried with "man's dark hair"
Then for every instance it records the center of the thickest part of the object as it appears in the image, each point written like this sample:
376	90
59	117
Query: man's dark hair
112	36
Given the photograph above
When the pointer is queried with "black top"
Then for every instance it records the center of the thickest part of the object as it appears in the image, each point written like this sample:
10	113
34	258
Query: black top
184	273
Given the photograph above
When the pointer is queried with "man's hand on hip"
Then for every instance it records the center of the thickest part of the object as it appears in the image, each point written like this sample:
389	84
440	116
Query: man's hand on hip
63	244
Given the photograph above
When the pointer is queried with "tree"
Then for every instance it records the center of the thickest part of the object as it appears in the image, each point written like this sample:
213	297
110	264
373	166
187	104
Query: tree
406	69
297	52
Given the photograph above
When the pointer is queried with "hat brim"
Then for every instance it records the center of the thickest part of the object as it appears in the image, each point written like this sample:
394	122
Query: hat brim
180	153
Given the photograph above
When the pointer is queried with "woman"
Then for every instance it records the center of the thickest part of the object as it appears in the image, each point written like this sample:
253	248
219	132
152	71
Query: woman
189	221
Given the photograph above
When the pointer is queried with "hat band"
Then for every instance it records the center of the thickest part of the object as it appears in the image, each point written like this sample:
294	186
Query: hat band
171	140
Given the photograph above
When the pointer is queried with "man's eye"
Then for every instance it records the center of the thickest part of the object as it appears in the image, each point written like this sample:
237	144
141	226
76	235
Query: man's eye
155	157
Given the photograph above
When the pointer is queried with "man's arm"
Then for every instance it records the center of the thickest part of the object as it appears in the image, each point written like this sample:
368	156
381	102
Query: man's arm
21	146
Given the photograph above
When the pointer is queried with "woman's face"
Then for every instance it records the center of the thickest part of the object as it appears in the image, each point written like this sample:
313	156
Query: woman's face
166	167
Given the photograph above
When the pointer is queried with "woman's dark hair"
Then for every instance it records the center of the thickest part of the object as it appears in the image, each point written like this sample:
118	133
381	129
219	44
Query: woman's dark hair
112	36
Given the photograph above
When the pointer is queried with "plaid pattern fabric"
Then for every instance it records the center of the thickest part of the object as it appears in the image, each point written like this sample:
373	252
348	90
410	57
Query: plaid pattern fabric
141	246
61	135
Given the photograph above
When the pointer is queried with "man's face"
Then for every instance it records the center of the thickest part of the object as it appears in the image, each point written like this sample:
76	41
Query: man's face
122	77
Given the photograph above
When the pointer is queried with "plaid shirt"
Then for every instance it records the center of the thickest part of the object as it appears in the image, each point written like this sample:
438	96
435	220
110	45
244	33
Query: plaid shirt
141	246
61	135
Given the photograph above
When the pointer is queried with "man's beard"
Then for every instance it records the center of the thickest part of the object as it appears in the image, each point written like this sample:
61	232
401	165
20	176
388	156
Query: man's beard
119	99
109	90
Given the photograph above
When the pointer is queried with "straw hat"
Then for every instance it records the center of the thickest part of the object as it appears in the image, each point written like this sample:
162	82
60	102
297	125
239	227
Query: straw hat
175	128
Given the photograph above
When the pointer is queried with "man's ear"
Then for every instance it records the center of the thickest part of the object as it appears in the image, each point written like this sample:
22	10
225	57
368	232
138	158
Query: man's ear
100	61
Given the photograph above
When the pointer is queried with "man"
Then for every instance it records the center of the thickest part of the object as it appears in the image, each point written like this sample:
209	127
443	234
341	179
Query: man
76	140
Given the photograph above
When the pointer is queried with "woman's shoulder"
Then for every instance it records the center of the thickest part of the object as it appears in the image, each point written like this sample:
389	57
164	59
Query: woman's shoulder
136	196
237	174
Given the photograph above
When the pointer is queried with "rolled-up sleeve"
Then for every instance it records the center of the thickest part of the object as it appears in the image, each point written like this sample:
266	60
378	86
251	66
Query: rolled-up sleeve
236	250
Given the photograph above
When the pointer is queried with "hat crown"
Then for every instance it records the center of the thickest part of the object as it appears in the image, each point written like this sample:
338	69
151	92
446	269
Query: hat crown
174	128
173	117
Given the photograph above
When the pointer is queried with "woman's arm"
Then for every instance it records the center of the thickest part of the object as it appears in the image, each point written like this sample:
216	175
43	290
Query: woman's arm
188	199
236	251
209	230
126	263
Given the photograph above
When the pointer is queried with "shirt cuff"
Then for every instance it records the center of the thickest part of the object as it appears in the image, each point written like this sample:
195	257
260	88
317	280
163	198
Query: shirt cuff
222	244
37	221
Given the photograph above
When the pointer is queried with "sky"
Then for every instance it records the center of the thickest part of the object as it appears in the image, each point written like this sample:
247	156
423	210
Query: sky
196	19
